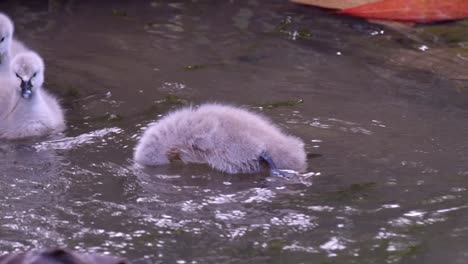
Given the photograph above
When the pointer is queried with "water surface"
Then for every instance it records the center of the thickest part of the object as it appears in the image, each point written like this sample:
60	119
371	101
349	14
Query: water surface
390	185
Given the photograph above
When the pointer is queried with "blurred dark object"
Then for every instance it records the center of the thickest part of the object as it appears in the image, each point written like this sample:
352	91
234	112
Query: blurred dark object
59	256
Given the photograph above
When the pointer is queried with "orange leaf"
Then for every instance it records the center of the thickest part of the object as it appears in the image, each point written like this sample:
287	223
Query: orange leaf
412	10
334	4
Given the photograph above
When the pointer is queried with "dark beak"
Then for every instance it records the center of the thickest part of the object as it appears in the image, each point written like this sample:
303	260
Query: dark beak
26	89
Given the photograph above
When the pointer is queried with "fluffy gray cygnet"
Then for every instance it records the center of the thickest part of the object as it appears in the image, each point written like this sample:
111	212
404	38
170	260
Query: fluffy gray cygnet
9	47
228	138
26	109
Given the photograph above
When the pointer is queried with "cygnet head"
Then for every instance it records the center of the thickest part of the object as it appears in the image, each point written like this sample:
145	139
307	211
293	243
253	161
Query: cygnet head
6	33
27	71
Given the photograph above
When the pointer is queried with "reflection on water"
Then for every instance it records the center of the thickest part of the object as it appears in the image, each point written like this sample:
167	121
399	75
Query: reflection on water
389	180
85	138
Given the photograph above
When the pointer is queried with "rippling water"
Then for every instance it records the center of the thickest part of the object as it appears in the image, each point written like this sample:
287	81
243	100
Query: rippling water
390	185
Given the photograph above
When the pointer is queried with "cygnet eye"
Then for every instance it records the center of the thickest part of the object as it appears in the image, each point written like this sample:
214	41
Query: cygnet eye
1	40
34	75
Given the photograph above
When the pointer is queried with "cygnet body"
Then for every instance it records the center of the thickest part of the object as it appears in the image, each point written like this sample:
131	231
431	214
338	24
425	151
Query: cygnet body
26	109
9	46
228	138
